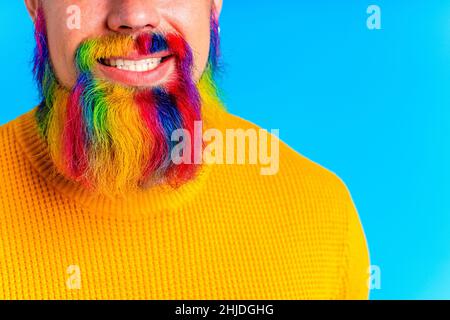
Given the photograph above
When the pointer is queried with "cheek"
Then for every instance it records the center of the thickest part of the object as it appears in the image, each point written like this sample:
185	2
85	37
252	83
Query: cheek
199	39
195	30
200	47
61	54
64	41
60	42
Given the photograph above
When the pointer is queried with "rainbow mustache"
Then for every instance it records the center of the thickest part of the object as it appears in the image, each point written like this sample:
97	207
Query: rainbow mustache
114	138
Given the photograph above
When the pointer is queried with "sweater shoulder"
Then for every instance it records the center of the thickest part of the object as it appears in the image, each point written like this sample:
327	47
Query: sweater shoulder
11	155
312	203
295	175
7	131
7	140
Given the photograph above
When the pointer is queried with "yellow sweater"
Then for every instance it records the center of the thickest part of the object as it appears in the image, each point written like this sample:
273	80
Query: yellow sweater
230	234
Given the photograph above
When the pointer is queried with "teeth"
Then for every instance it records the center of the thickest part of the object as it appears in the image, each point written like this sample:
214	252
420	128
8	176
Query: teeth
133	65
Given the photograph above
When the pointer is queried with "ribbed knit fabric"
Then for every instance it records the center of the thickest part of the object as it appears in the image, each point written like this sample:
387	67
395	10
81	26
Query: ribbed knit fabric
230	234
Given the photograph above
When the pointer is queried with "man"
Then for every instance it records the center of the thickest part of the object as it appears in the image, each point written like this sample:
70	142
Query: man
108	192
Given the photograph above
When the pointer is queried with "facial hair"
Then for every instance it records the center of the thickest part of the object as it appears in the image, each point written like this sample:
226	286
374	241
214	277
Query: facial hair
115	139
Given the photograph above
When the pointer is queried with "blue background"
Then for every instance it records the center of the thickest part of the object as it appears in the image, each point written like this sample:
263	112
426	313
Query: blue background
371	105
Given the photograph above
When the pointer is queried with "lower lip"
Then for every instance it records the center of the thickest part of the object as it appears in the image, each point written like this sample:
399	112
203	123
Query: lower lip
153	77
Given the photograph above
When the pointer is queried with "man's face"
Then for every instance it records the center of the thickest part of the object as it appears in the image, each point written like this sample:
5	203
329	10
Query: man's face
131	17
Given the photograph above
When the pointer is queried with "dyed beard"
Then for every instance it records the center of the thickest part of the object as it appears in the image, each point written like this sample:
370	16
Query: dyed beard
115	139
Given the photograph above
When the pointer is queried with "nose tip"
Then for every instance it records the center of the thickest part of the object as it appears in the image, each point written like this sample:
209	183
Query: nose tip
133	16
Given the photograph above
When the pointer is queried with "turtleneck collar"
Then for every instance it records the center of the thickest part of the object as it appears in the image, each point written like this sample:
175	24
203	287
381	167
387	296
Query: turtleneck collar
155	199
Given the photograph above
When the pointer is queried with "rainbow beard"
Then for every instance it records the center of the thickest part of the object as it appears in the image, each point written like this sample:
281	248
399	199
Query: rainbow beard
115	139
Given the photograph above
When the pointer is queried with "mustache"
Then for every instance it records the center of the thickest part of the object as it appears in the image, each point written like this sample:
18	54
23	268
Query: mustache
98	49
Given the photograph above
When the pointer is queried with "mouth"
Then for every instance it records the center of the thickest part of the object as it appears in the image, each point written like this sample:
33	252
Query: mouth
137	71
142	65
